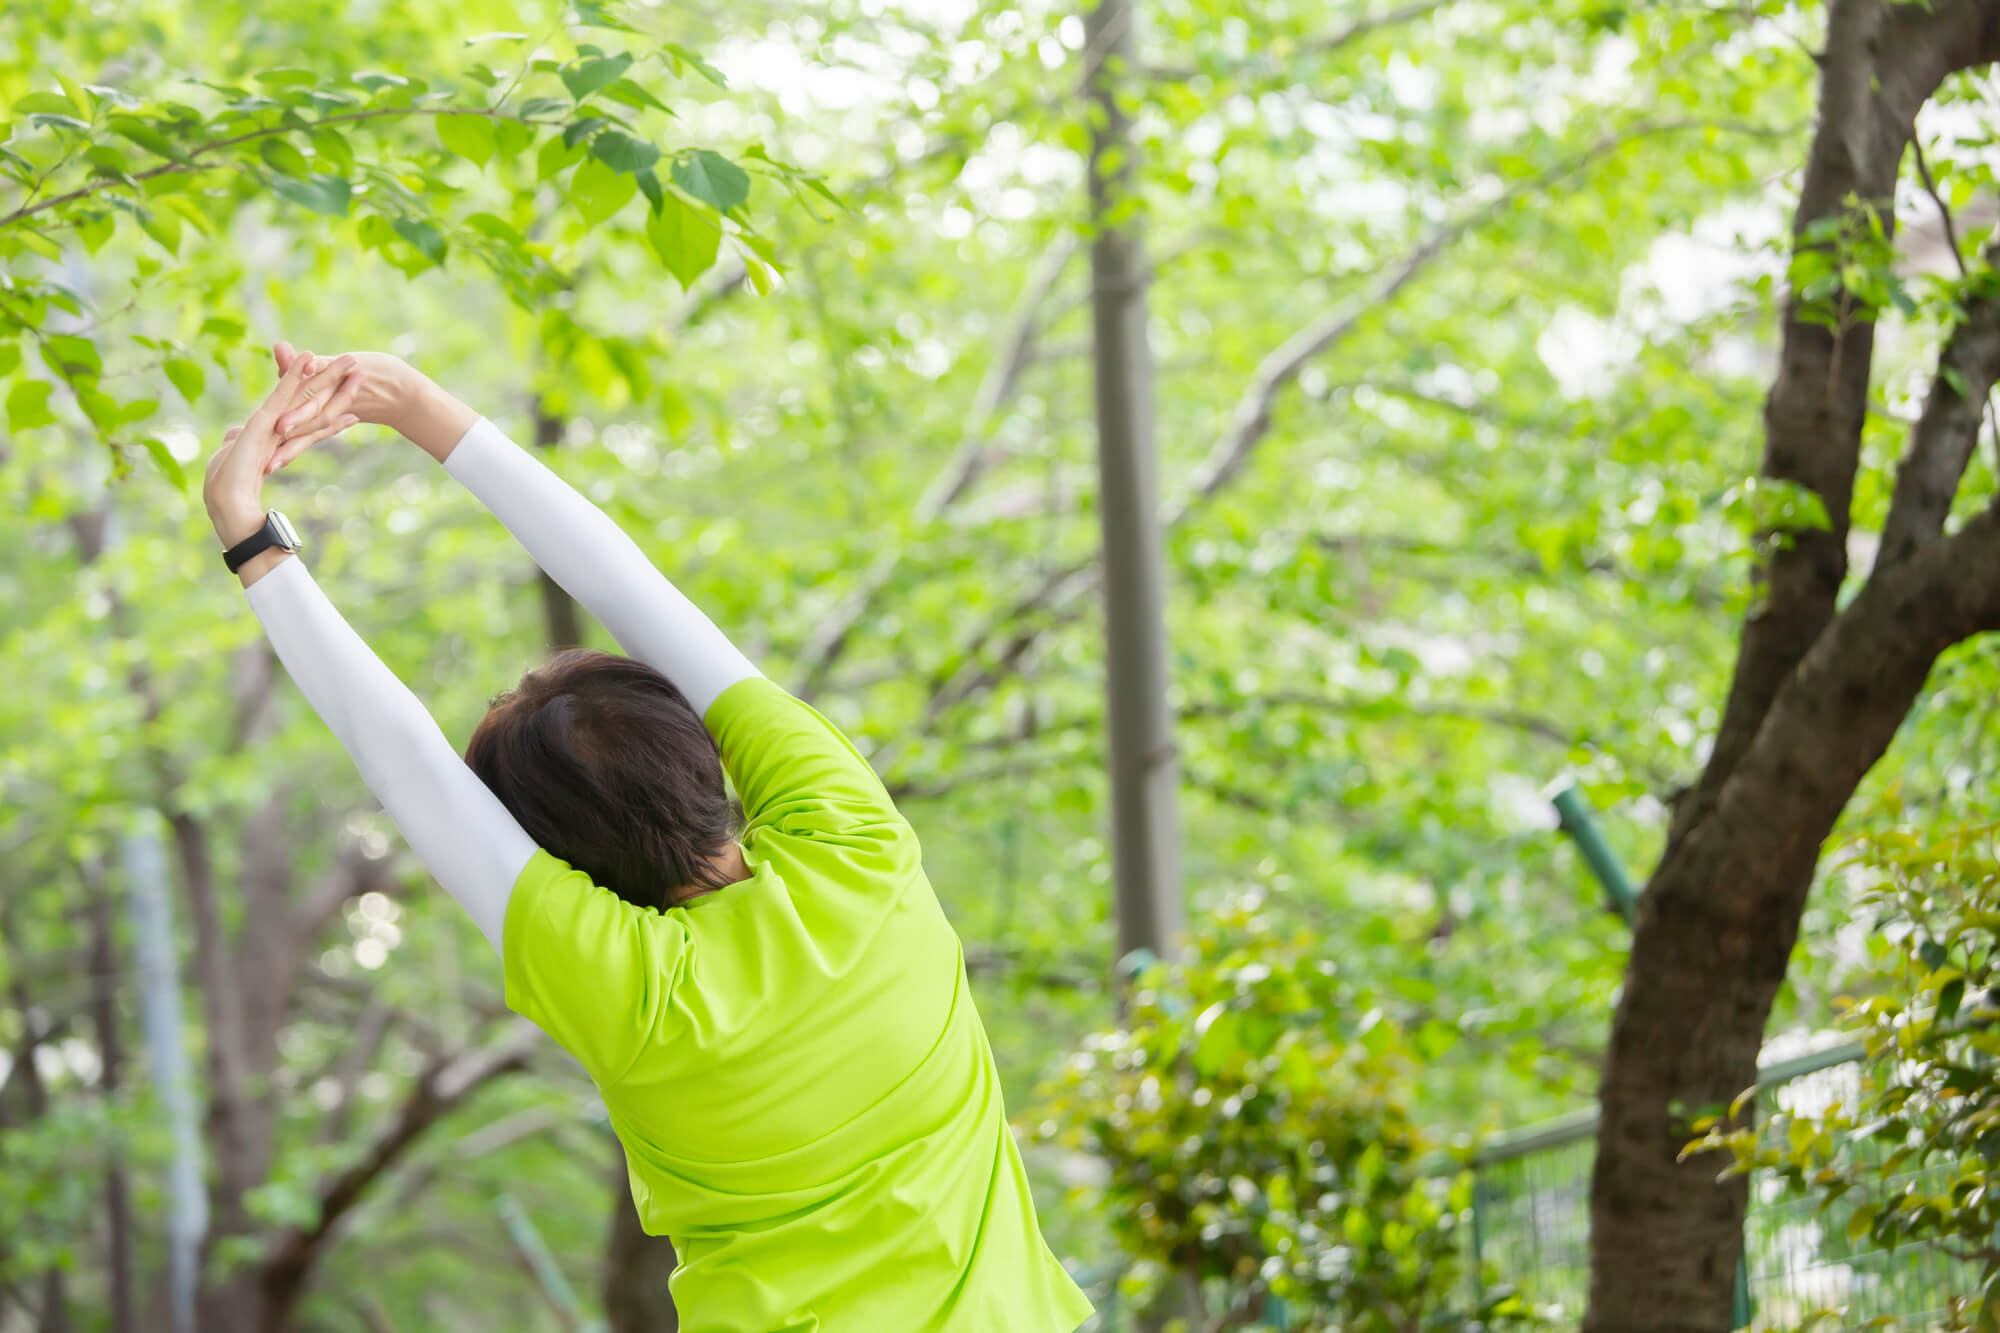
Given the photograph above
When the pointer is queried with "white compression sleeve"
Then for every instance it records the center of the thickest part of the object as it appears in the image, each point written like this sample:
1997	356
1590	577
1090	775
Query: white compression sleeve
456	826
590	556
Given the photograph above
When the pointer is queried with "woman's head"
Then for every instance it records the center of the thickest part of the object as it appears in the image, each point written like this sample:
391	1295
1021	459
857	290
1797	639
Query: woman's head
606	765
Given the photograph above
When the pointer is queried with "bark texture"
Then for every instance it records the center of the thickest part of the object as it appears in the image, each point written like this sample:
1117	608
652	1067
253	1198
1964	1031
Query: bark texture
1817	695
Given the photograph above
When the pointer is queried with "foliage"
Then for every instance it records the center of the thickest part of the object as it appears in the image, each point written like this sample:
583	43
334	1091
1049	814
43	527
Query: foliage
1252	1115
374	158
1487	535
1911	1158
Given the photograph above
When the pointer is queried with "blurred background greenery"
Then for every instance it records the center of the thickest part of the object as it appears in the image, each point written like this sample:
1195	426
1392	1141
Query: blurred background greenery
1463	315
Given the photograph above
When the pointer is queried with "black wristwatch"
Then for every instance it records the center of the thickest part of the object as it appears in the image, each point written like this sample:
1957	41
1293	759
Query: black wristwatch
277	531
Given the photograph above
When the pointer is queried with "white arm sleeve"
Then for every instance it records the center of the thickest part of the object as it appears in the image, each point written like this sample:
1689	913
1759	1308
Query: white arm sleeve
456	826
589	555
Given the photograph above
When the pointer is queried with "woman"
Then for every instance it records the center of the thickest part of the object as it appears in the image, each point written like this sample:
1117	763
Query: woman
778	1021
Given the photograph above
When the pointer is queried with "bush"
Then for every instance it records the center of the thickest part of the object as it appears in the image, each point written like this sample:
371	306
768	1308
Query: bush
1252	1111
1914	1159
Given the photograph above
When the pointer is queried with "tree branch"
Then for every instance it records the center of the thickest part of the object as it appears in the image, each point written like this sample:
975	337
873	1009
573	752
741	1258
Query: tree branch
1532	724
1003	376
437	1091
194	154
1320	46
1818	402
1252	420
1943	438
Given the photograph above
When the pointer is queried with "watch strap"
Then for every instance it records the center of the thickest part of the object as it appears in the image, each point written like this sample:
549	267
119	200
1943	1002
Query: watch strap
258	542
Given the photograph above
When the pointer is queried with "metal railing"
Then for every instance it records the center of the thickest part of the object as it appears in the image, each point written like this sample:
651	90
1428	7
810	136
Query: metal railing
1531	1217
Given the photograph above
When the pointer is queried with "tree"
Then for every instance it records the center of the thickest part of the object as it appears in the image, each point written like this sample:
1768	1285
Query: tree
1825	673
1145	774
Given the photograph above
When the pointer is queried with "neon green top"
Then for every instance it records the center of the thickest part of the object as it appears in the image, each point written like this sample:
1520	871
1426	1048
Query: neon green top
806	1097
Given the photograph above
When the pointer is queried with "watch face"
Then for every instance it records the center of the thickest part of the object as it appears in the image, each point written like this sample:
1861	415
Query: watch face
288	538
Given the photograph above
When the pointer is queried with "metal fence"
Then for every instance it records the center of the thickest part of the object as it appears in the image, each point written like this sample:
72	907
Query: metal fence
1531	1214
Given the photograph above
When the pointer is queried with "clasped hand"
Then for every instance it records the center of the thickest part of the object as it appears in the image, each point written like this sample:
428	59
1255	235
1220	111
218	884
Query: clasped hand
315	397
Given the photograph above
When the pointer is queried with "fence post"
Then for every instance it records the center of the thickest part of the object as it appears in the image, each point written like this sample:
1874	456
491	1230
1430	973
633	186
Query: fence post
1573	812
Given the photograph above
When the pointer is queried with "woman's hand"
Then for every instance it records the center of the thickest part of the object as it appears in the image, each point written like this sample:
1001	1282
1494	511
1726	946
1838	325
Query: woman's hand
378	388
382	389
233	489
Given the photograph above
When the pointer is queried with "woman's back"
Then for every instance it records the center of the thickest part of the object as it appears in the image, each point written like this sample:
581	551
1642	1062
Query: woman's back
794	1064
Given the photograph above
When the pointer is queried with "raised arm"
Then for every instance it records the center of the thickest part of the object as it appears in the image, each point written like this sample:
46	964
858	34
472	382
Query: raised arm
457	827
577	543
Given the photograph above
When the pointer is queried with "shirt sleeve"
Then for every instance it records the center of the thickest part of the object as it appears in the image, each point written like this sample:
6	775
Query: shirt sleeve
591	557
794	770
455	824
593	971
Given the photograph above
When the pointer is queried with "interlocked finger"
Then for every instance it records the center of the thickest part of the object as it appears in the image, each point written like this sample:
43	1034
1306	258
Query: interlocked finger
332	391
297	443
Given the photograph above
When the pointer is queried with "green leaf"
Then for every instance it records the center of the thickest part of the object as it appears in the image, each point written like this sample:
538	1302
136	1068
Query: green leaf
598	191
713	179
77	96
588	76
94	229
496	37
593	14
486	224
536	107
288	76
577	131
71	356
632	94
622	152
471	137
319	192
28	405
283	155
556	155
686	238
45	103
147	136
701	67
117	97
162	226
428	240
186	376
1950	996
378	82
331	147
649	185
58	122
168	464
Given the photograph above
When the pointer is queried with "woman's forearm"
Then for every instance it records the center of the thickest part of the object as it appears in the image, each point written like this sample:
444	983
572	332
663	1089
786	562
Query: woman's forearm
456	826
590	557
434	420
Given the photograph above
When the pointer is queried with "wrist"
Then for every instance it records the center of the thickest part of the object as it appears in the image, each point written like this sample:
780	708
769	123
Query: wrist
236	520
433	419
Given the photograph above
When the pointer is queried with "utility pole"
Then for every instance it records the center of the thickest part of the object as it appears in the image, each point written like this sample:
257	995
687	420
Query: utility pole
1145	770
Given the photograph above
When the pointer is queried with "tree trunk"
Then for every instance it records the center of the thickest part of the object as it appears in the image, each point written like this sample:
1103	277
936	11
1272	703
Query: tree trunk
104	973
564	626
636	1269
1145	771
1817	695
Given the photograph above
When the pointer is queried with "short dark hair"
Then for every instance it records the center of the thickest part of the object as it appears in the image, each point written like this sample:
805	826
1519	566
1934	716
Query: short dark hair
606	764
